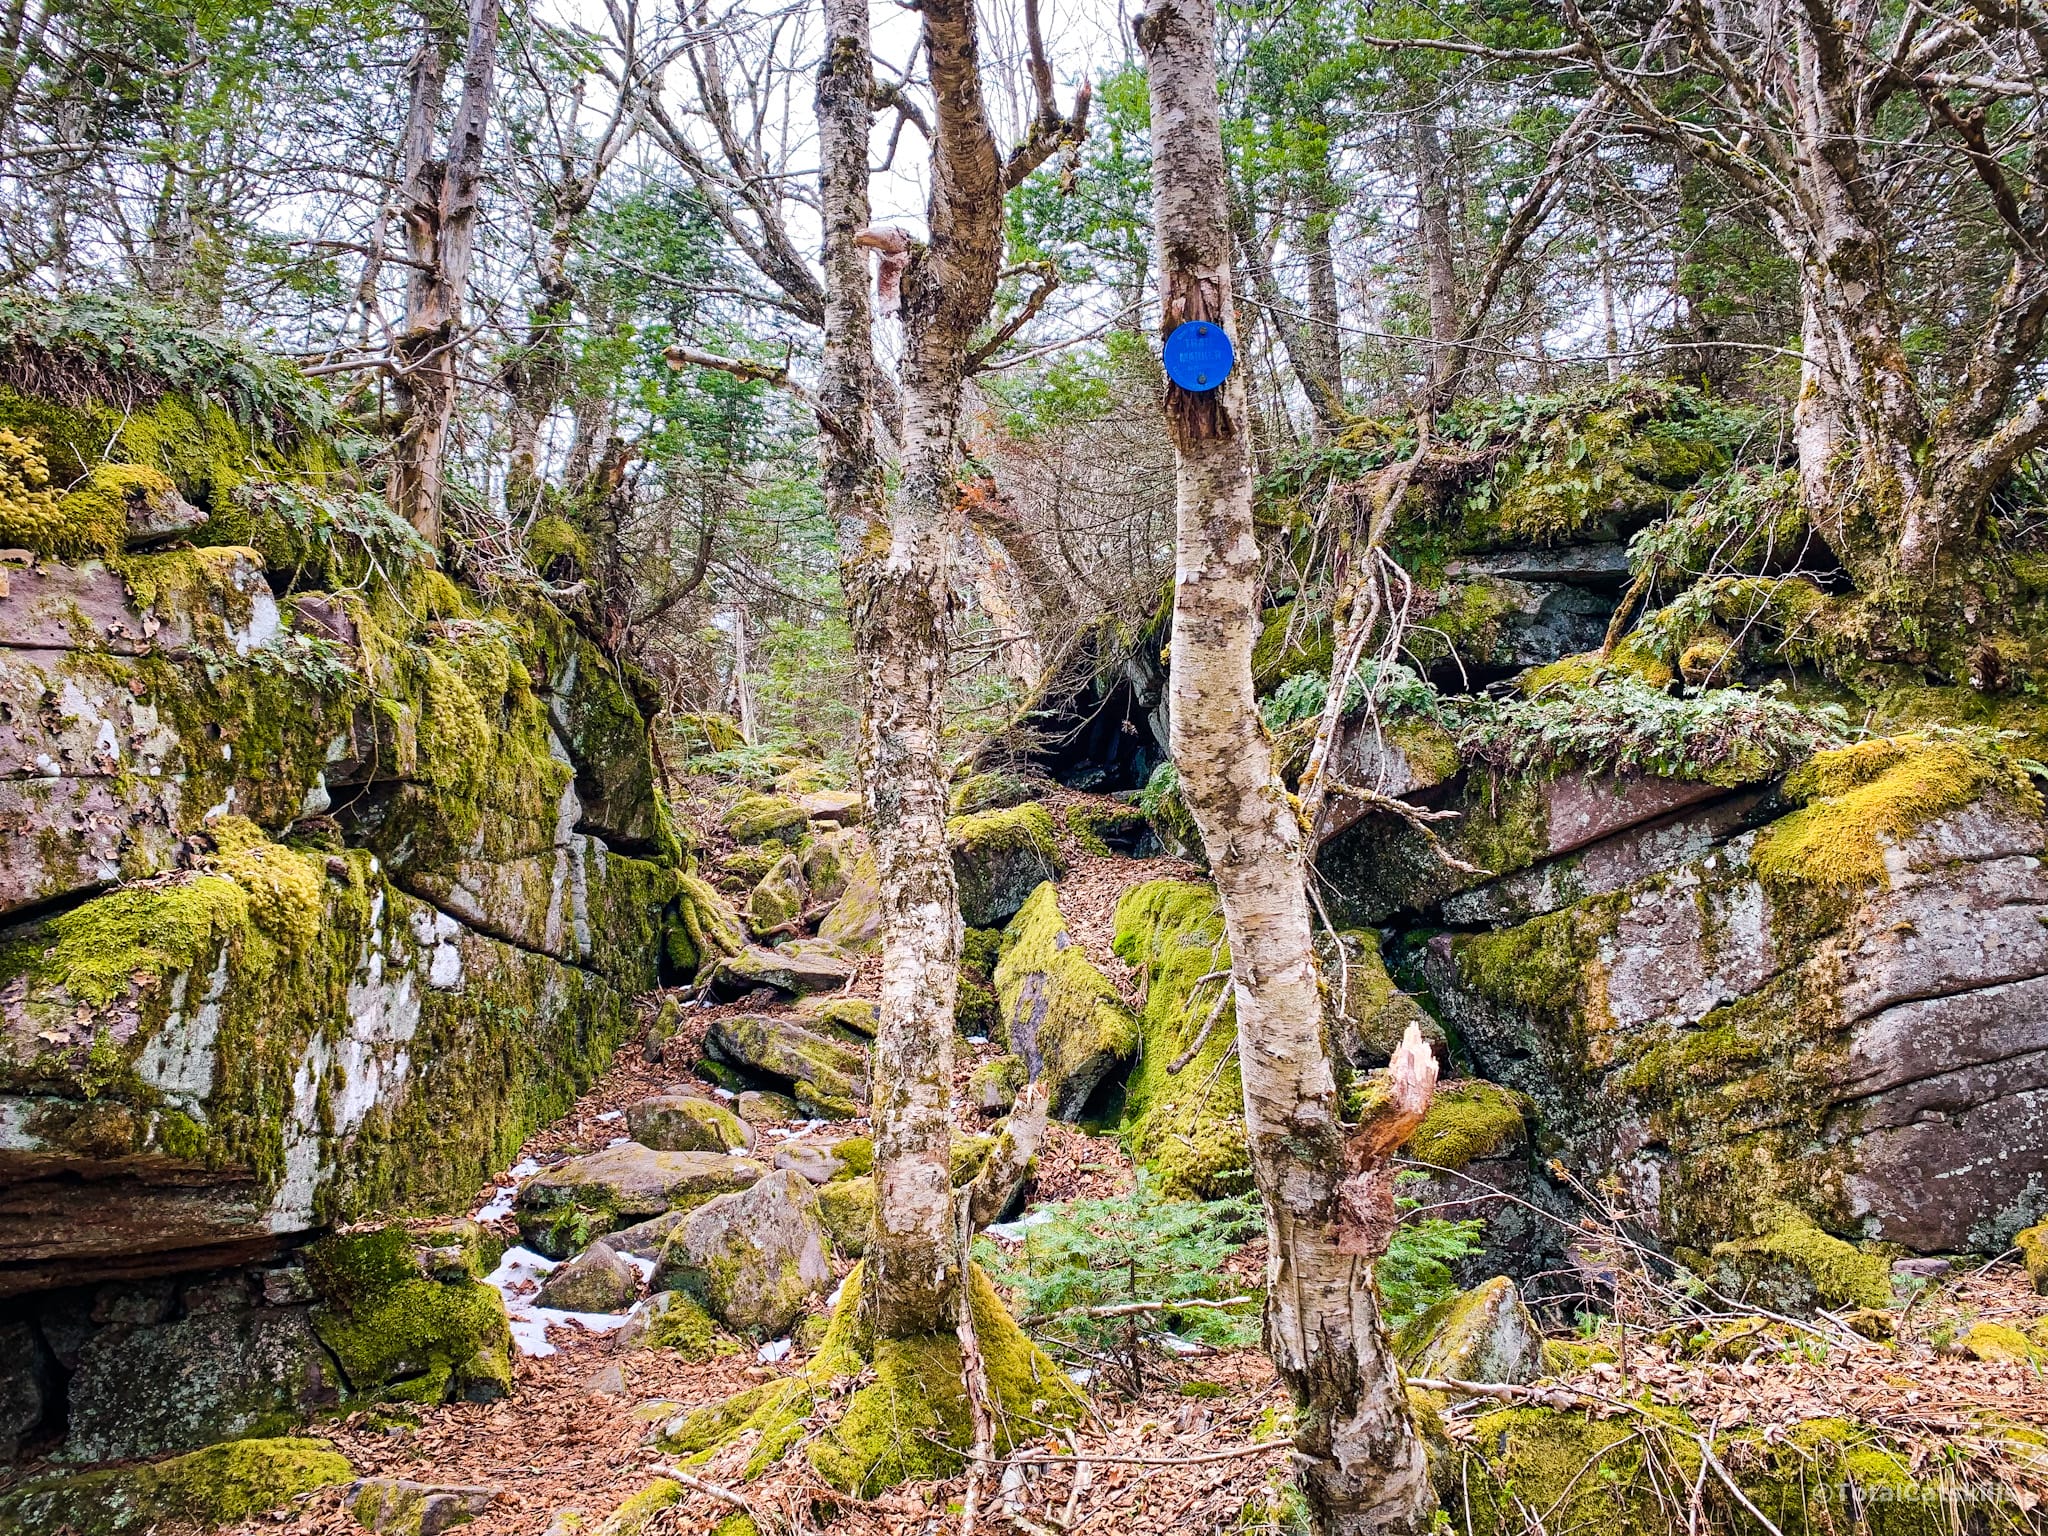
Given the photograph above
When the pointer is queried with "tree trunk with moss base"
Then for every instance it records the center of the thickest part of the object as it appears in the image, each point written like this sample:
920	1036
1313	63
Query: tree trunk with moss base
1327	1190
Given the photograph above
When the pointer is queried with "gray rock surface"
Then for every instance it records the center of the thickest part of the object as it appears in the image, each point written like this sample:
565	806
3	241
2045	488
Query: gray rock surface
752	1259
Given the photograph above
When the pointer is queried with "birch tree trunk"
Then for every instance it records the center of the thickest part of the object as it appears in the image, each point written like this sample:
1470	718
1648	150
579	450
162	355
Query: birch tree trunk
1327	1191
438	200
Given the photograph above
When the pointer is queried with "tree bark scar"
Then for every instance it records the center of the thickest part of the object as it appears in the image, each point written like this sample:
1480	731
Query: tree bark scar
1193	418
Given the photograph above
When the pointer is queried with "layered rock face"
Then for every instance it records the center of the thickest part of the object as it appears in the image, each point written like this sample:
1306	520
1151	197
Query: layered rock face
326	880
1729	1034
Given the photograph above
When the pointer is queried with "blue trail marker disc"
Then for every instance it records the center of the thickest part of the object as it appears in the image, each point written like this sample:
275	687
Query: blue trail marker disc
1199	356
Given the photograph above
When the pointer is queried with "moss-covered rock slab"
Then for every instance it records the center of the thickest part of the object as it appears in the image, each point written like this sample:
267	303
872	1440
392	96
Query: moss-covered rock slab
1841	1012
1484	1334
217	1486
777	1046
800	967
687	1123
2033	1247
999	859
397	1506
561	1208
1185	1126
1059	1013
759	818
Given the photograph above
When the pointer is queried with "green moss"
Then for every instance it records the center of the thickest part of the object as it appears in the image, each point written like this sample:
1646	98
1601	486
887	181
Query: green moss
2001	1342
1792	1263
397	1334
2033	1247
907	1416
555	538
1587	1475
1061	1014
756	818
1185	1127
1290	641
861	1015
1861	799
847	1208
685	1327
635	1515
220	1485
140	935
1547	966
991	791
857	1154
1468	1121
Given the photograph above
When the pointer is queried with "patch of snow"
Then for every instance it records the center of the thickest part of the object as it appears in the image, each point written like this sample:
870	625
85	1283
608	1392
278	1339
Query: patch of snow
517	1279
768	1354
500	1204
612	1114
618	1141
1013	1231
977	1039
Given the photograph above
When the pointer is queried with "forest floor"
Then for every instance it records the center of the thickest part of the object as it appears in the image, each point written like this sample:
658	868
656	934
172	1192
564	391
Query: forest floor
1186	1456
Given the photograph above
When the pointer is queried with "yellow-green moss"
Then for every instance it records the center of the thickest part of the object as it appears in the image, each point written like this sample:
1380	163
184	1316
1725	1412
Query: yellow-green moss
990	791
1585	1476
220	1485
756	817
1187	1128
1057	1007
685	1327
397	1334
2033	1247
1468	1121
909	1418
847	1208
2001	1342
1788	1240
633	1517
1860	799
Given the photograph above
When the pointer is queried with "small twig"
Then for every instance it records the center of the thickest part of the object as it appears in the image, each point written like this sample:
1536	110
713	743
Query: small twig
1174	1066
1048	1460
714	1490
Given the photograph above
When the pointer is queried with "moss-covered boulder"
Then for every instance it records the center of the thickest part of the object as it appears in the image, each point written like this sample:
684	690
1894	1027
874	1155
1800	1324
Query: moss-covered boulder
814	1058
1060	1014
562	1208
856	918
999	859
759	818
397	1333
759	1107
993	790
597	1280
798	967
1184	1125
678	1122
220	1485
1827	1014
992	1087
1484	1334
1791	1265
398	1506
2033	1247
777	902
861	1016
752	1259
676	1322
829	860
